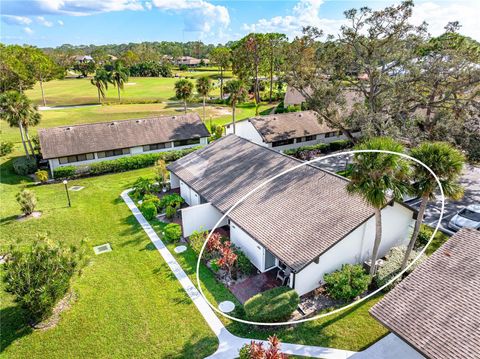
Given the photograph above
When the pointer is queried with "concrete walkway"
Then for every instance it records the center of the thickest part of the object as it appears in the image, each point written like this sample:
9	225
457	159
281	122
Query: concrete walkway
53	108
228	344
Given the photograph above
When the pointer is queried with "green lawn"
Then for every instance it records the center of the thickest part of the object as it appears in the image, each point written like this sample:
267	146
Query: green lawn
220	114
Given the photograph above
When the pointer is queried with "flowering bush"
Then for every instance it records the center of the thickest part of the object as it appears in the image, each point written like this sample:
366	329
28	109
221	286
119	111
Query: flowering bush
228	258
214	244
256	350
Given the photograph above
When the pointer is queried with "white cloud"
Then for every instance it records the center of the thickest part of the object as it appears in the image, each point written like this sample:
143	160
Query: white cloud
437	15
16	20
148	5
41	20
28	30
304	13
68	7
199	15
60	22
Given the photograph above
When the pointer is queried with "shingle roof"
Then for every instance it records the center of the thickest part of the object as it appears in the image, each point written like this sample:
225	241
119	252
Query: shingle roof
297	216
289	125
436	309
104	136
294	97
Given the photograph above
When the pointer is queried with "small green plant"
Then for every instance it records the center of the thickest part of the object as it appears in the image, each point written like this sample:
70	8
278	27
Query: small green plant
40	276
6	148
42	175
172	232
273	305
27	201
243	263
170	212
173	200
153	199
24	166
347	283
148	210
214	265
143	186
196	239
64	172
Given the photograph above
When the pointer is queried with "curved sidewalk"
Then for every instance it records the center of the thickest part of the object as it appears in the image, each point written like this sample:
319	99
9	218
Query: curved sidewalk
228	344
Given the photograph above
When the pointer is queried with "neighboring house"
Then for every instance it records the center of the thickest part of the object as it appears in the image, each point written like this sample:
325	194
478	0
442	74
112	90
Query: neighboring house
84	144
436	309
83	58
286	130
293	97
304	221
190	61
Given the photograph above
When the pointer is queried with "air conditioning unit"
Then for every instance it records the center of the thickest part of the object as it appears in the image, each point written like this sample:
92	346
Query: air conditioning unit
378	264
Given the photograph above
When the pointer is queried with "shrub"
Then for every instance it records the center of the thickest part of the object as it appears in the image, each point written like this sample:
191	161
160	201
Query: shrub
392	264
42	175
347	283
148	210
174	200
24	166
153	199
27	201
214	244
39	277
6	148
172	232
243	263
196	239
308	152
64	172
340	145
228	258
142	187
214	265
423	236
170	212
256	350
273	305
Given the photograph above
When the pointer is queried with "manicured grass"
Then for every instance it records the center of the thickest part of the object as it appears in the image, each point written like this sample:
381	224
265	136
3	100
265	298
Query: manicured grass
129	303
220	114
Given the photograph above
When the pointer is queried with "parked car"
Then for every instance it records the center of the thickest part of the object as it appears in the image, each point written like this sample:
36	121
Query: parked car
469	217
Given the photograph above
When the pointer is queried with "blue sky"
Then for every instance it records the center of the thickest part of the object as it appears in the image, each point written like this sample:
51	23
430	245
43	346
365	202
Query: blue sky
55	22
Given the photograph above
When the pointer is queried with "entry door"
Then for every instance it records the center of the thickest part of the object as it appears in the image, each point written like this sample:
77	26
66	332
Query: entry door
269	260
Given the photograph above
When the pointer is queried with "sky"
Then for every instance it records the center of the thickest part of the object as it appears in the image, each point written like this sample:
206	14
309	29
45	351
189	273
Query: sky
50	23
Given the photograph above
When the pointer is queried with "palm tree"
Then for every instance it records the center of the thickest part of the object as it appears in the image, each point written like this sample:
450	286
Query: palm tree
378	178
183	91
100	80
447	163
118	76
203	88
18	111
238	93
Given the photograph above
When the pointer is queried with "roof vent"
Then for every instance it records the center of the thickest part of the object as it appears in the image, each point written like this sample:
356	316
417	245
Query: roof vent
299	115
174	117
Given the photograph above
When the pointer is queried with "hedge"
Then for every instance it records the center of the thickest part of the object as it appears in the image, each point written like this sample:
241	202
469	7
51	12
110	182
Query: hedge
273	305
347	283
24	166
122	164
340	145
320	147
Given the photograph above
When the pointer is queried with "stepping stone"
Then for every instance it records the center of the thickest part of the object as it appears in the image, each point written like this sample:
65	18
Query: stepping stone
102	248
180	249
76	188
226	306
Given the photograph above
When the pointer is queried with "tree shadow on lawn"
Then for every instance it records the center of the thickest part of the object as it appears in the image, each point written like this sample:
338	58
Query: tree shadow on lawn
7	176
14	326
198	348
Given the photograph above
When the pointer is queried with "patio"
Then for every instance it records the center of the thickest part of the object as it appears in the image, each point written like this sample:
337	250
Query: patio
255	284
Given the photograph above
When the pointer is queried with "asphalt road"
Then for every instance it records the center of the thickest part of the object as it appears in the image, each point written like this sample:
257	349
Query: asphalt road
470	181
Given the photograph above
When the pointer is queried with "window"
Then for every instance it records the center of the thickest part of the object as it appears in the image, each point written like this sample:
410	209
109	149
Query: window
191	141
333	134
311	138
300	139
282	142
156	146
112	153
76	158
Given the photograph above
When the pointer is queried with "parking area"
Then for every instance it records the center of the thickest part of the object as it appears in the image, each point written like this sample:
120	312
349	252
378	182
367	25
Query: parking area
470	180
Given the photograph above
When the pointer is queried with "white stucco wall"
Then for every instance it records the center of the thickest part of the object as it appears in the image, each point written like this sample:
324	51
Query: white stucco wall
250	247
245	130
191	197
174	181
357	247
200	217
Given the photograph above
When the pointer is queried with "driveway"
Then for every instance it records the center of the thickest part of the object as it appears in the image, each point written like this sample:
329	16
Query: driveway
470	180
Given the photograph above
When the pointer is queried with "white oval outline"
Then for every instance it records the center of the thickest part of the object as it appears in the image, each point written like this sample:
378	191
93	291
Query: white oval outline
348	305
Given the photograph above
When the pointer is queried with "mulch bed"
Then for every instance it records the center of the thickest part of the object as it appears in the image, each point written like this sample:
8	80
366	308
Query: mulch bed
64	304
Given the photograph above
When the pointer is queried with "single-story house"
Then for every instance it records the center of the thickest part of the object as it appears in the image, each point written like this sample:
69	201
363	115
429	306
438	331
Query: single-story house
286	130
293	97
436	309
190	61
84	144
82	58
304	222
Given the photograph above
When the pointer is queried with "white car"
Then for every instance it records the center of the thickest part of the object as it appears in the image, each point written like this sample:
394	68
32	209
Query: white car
469	217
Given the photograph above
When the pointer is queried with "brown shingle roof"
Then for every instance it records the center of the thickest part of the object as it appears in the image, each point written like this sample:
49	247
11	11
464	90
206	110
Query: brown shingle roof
297	216
436	309
104	136
289	125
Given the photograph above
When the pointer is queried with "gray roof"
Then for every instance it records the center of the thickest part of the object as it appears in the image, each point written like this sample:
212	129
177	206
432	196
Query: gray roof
289	125
436	309
294	97
72	140
297	216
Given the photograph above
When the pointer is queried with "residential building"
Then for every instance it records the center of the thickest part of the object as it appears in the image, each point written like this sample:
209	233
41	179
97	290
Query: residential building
304	222
286	130
88	143
191	61
436	309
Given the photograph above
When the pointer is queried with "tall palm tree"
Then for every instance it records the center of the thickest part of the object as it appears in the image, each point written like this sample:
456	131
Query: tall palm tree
183	91
118	76
203	86
100	80
18	111
447	163
238	93
378	178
